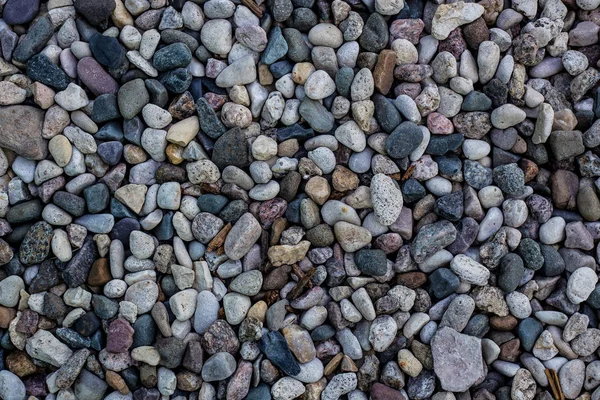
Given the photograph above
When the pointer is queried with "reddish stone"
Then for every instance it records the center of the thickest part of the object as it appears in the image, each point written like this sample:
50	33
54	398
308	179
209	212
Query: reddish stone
382	392
530	169
183	106
507	323
476	33
97	80
270	210
119	337
412	280
453	44
412	90
215	101
413	72
389	242
409	29
383	75
509	351
239	384
439	124
28	322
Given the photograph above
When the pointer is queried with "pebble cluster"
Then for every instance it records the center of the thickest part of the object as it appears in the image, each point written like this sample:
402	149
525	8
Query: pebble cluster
281	199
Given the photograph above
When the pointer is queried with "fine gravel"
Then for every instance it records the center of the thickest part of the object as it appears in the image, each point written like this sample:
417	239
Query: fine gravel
299	199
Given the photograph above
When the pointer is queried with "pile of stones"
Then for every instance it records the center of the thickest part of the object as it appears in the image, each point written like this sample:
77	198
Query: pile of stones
314	199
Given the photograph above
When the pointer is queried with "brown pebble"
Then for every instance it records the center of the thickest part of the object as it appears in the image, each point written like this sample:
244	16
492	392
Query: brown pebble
564	185
348	365
412	280
344	179
333	364
509	351
99	273
503	323
115	381
383	72
6	315
20	364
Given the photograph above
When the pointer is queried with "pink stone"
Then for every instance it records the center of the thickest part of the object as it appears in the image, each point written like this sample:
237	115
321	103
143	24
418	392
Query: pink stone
439	124
95	77
409	29
119	336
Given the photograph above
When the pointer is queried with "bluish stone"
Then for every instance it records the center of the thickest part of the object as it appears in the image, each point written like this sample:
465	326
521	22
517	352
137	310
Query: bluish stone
176	55
276	349
73	339
442	144
133	129
450	206
281	68
69	202
144	331
554	264
476	175
212	203
413	190
277	47
343	81
323	332
449	165
96	197
386	113
478	326
37	36
404	140
158	93
295	131
261	392
476	101
119	210
123	229
177	80
233	211
110	152
528	331
110	131
18	12
375	35
316	115
165	230
510	273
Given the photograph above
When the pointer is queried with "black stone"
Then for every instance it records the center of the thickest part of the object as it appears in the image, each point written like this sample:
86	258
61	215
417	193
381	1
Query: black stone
210	123
443	282
371	261
87	324
231	149
107	50
95	11
403	140
41	69
511	272
386	113
450	206
105	109
176	55
442	144
37	36
77	270
177	80
276	349
375	35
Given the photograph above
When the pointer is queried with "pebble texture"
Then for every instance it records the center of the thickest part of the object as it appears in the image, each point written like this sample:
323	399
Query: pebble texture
299	199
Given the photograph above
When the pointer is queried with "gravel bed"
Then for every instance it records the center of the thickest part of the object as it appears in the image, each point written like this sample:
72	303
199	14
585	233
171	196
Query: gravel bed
299	199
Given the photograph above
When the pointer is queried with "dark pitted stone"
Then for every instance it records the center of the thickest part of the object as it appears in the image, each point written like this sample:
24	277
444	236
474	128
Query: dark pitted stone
530	251
386	113
17	12
171	351
404	140
107	50
209	121
231	149
105	109
36	245
37	36
87	324
442	144
450	206
276	349
176	55
528	331
24	212
170	173
46	278
77	270
476	175
443	282
510	179
511	272
371	261
277	47
233	211
177	80
375	35
73	339
120	210
422	386
41	69
95	11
